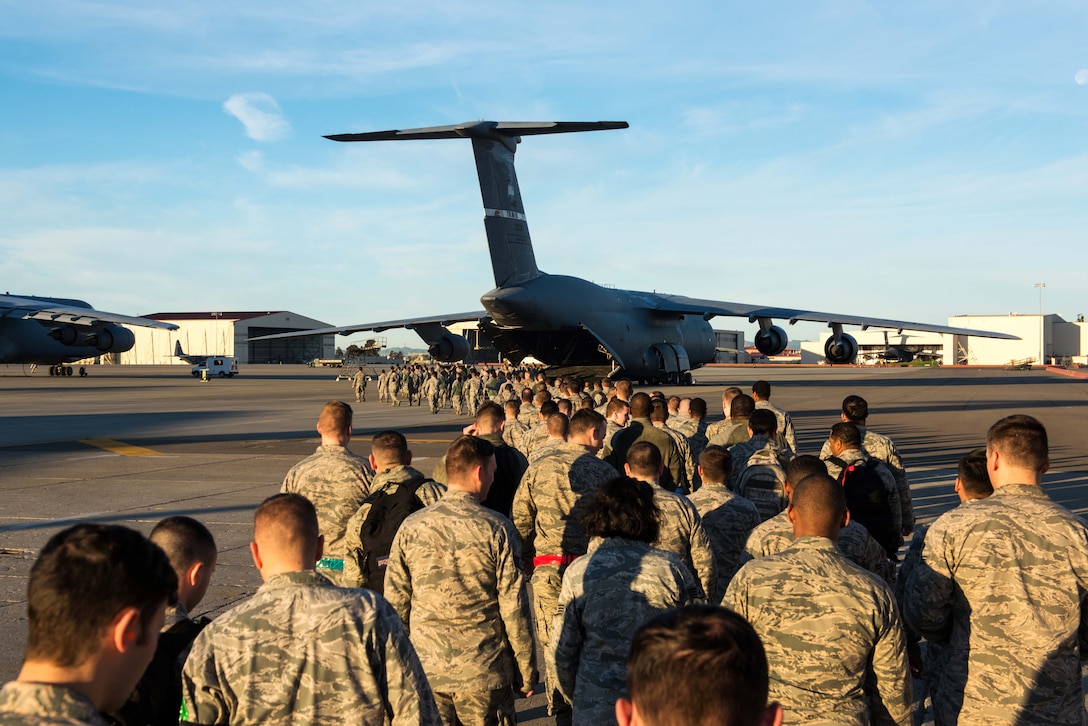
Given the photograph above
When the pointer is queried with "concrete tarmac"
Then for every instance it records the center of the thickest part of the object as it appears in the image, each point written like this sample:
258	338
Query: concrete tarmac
134	444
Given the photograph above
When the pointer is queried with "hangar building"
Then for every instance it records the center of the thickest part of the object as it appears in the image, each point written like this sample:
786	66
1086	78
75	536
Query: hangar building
228	334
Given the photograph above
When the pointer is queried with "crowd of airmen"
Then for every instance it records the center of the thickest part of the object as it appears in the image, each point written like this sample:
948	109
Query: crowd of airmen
619	508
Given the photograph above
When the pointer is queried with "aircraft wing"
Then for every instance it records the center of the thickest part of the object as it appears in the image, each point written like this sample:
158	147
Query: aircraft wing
713	308
70	312
406	323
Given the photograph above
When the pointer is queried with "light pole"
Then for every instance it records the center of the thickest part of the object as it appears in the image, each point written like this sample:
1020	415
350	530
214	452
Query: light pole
1042	349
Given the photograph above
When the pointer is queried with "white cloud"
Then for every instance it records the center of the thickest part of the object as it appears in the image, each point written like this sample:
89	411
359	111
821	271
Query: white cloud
260	115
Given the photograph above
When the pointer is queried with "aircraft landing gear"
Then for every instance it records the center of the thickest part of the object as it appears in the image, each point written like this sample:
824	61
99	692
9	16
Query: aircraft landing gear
63	371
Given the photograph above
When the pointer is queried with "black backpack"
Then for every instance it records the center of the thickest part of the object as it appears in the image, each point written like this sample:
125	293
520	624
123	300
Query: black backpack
389	507
867	500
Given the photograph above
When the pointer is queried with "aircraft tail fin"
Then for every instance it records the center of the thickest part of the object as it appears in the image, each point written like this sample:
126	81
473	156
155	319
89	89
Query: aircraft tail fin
178	352
494	144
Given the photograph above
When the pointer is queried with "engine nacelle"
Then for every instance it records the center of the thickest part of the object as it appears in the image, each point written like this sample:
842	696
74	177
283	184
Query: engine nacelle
449	348
771	341
111	339
843	350
65	335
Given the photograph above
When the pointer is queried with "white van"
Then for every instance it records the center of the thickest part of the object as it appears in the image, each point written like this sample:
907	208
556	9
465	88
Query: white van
222	366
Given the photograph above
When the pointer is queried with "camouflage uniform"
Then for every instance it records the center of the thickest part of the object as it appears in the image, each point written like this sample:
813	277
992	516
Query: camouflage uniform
547	513
455	579
835	643
428	492
730	434
472	394
336	481
510	467
727	519
304	651
855	542
682	533
41	703
513	433
1003	583
687	463
882	448
713	429
457	394
528	414
785	425
642	429
429	390
611	427
358	385
854	456
743	451
606	596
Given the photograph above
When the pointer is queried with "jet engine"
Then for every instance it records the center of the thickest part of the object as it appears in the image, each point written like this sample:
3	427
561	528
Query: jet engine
449	348
771	341
841	349
111	339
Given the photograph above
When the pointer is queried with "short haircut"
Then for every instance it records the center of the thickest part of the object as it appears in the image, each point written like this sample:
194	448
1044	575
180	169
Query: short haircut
717	464
83	577
644	459
335	417
698	665
465	454
557	426
541	396
584	420
547	408
526	395
741	406
288	520
389	448
855	409
730	393
1022	440
624	388
490	414
565	406
674	403
762	422
846	433
185	542
622	507
659	412
512	406
641	405
615	405
819	500
585	402
804	466
973	475
761	389
698	408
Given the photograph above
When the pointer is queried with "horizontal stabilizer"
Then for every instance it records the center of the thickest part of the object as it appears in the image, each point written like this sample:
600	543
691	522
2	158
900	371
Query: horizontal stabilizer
483	129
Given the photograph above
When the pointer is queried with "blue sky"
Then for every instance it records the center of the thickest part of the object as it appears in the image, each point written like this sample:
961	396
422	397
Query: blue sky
902	160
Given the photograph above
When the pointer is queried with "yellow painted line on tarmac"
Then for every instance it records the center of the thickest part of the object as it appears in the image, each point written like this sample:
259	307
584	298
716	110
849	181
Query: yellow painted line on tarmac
119	447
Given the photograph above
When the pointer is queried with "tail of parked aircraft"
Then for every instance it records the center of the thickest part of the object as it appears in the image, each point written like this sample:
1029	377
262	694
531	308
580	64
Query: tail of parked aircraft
494	144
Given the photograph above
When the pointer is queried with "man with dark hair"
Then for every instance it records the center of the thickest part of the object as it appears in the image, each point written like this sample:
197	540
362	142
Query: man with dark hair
513	430
96	601
547	514
455	580
1002	583
834	638
727	399
302	650
335	480
776	534
855	410
682	531
538	432
697	665
761	393
870	488
191	549
606	594
734	429
658	417
641	428
727	518
617	413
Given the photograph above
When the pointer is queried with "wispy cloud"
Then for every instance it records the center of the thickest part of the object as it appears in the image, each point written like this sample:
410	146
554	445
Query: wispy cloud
260	115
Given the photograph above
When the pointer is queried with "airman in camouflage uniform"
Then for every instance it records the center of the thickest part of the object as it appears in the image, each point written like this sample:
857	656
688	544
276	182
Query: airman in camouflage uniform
334	479
455	579
834	638
641	428
844	444
727	400
1003	584
457	396
687	464
547	515
760	425
43	703
514	431
761	392
472	392
607	594
727	518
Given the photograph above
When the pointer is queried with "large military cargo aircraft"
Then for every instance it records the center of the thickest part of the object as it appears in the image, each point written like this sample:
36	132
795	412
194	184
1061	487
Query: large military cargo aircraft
567	321
54	331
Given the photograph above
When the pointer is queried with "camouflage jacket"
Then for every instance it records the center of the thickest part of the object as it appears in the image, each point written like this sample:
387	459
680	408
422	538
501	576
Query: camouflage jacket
336	481
833	635
42	703
455	580
303	651
729	433
881	447
642	429
728	520
743	451
687	463
1003	583
682	533
785	425
853	456
605	596
546	509
428	492
855	542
